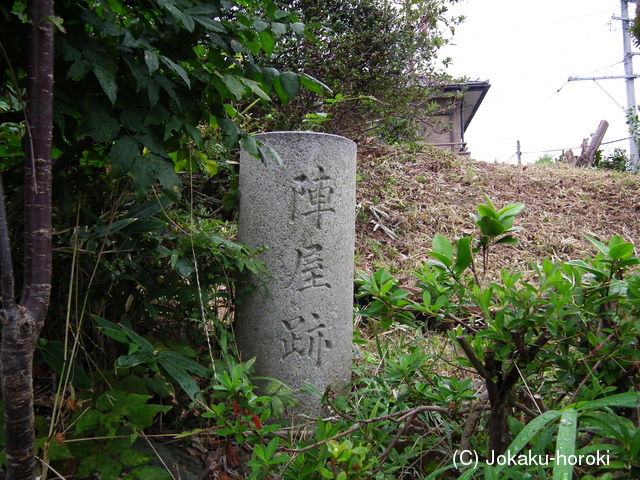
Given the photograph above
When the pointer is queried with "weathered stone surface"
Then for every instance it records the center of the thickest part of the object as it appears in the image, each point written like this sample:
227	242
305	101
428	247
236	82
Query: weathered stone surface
299	323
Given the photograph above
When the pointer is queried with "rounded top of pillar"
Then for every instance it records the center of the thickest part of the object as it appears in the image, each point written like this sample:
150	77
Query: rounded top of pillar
301	135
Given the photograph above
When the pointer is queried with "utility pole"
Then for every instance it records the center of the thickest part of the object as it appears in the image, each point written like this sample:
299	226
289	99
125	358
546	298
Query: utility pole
628	73
629	76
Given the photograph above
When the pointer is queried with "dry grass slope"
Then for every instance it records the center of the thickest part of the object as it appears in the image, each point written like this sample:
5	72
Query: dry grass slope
405	197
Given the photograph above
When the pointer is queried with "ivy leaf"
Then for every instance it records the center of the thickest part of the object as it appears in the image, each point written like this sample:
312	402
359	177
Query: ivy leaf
134	458
107	82
142	416
150	472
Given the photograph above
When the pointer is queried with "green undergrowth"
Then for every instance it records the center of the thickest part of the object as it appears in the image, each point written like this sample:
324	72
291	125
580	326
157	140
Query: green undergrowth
461	369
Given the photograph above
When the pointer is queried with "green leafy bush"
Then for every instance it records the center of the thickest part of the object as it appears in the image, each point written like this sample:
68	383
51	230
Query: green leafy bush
560	344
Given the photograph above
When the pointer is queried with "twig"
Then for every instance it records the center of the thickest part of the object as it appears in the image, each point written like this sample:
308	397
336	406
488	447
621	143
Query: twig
525	409
396	417
471	330
472	357
584	381
470	424
627	374
393	443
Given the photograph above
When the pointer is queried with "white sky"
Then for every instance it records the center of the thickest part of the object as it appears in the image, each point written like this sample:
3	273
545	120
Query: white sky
527	51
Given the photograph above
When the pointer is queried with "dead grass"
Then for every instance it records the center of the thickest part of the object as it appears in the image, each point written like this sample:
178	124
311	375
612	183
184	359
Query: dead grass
405	198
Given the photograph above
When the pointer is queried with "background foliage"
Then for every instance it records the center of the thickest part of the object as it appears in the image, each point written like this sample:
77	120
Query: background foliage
378	57
152	99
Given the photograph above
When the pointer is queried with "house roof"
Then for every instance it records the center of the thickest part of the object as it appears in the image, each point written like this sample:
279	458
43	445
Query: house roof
473	94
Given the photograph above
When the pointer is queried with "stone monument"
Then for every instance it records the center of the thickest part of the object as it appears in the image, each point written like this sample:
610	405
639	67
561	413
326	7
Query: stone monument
298	323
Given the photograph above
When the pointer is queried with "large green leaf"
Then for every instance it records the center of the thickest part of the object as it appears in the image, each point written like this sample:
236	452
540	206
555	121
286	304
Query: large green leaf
491	227
180	375
177	69
230	132
598	244
122	155
152	61
149	208
510	210
566	444
267	41
629	400
528	432
234	85
99	125
486	211
314	84
267	153
255	87
53	354
287	86
621	251
463	258
107	82
149	168
443	247
185	362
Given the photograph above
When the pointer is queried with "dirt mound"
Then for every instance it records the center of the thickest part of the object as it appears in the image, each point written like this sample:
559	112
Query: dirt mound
405	197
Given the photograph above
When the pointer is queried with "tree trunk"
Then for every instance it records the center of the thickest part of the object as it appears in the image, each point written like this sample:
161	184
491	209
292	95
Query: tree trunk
498	428
21	323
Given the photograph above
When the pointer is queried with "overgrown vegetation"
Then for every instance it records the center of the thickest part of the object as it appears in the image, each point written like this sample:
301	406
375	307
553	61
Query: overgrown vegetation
387	79
467	352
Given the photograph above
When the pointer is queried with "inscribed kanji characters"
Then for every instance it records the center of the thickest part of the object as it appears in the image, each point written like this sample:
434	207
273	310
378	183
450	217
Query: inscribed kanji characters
312	196
306	339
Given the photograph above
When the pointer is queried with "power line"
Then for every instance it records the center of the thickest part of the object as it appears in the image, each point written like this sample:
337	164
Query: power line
571	148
